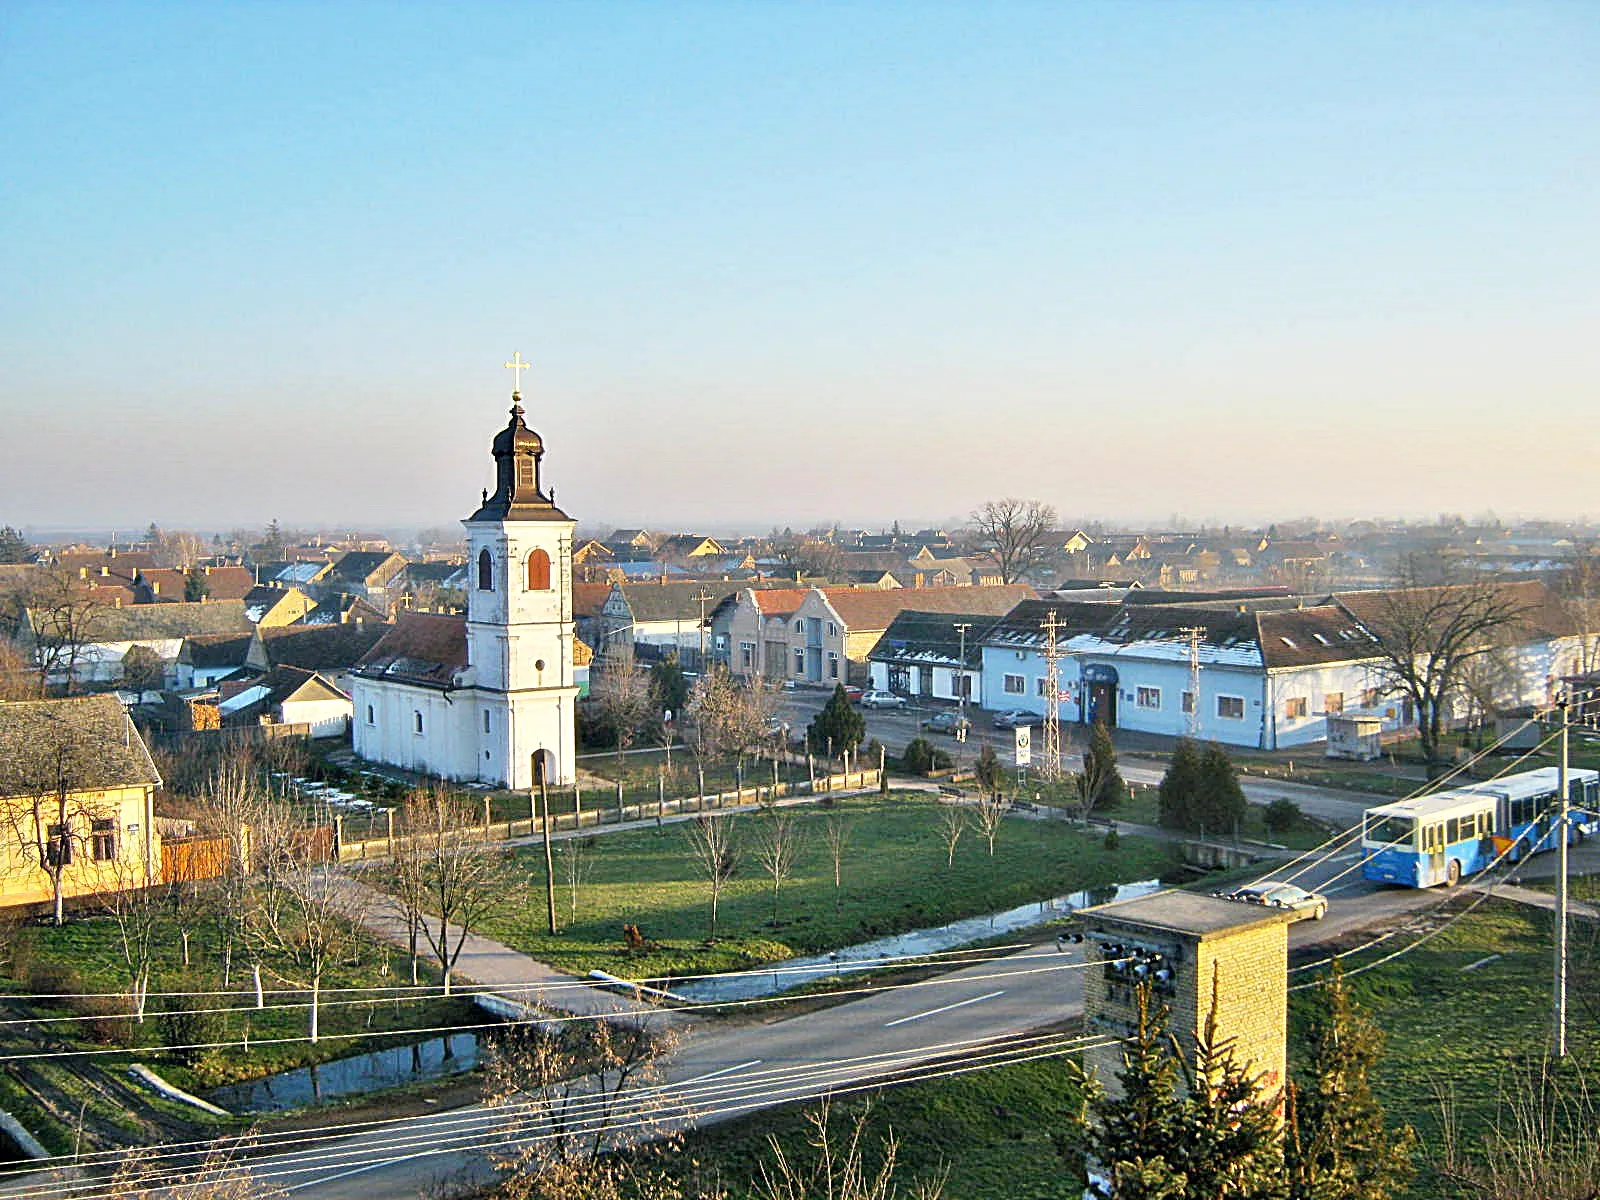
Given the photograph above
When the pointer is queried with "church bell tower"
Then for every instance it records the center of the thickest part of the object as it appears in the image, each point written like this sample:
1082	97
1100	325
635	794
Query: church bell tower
519	616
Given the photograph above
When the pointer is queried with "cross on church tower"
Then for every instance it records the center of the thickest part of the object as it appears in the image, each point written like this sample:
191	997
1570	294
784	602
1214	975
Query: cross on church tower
518	366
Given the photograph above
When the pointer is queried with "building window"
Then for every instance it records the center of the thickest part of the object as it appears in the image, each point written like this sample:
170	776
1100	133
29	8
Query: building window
747	654
371	720
103	840
799	626
833	665
1187	702
1369	697
1014	685
486	720
964	686
1147	697
1230	708
538	571
1333	702
1040	685
832	629
416	721
1295	707
485	571
58	846
799	662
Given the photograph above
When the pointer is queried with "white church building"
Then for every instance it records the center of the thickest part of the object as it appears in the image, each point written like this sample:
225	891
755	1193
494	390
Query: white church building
491	698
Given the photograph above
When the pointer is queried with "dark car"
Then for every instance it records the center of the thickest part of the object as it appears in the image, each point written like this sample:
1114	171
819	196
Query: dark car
946	722
1013	717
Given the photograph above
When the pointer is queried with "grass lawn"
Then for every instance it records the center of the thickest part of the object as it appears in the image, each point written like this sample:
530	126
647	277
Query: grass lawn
894	879
991	1130
84	956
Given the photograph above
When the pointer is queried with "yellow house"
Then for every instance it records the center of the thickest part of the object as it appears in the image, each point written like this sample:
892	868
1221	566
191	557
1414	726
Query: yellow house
77	802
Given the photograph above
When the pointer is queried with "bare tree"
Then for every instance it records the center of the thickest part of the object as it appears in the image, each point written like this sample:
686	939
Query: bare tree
1579	593
306	916
63	618
836	835
987	814
952	824
143	670
732	718
1538	1147
1015	534
623	695
780	840
235	812
406	894
135	907
215	1172
1428	636
464	881
573	1092
714	842
839	1168
577	865
18	680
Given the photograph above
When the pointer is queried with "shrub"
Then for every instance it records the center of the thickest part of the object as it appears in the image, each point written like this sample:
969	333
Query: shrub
1113	839
922	757
1282	815
182	1027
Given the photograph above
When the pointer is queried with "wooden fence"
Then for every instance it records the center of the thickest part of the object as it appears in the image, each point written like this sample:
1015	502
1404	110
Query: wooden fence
613	814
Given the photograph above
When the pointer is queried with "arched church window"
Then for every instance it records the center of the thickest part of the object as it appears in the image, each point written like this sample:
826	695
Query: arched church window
485	571
538	571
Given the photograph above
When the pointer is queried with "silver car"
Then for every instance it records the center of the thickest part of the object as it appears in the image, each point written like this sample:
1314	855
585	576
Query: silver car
1303	904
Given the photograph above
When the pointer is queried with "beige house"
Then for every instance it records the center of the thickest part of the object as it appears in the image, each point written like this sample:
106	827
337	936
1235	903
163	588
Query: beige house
77	801
823	635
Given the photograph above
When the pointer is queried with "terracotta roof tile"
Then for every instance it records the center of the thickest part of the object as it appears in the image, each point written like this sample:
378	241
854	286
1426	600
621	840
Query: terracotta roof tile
420	648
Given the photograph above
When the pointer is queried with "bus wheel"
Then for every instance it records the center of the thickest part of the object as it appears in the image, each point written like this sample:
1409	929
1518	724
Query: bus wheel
1452	875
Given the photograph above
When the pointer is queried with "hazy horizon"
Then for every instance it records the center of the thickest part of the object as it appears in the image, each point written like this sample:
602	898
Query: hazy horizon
788	264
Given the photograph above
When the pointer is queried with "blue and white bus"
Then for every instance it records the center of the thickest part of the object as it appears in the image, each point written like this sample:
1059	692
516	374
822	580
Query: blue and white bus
1449	835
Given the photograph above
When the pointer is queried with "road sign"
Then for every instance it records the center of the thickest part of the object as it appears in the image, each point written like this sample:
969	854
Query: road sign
1024	745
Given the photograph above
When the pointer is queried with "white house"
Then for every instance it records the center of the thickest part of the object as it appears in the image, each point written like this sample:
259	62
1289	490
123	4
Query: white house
491	698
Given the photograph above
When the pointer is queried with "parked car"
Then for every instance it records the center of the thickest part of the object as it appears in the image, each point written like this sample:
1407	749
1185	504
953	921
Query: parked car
1012	717
946	722
883	700
852	693
1303	904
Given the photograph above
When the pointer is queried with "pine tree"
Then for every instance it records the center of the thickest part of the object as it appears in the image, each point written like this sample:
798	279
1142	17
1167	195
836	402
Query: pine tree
1203	1131
14	548
195	587
1338	1147
838	727
989	772
1180	787
1221	804
1100	764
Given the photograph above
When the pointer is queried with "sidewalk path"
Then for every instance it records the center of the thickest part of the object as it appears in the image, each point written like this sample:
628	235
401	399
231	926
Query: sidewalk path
514	976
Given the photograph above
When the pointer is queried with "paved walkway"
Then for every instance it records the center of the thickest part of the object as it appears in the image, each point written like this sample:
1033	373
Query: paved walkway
1534	898
513	976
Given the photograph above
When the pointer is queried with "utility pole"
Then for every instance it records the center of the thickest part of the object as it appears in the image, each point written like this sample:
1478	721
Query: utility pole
1194	633
702	596
1052	691
961	683
1564	811
549	854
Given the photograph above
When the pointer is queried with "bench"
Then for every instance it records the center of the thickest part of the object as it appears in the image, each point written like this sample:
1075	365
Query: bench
950	789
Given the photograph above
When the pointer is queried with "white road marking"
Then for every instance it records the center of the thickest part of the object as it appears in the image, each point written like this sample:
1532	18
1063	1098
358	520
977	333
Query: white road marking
933	1012
754	1062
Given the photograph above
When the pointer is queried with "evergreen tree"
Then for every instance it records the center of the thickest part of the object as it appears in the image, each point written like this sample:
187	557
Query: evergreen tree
1338	1148
838	727
1107	789
272	543
14	548
669	688
989	772
1180	787
1202	1131
1221	804
195	587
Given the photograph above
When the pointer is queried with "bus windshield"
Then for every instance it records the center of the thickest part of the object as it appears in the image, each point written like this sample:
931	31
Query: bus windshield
1400	831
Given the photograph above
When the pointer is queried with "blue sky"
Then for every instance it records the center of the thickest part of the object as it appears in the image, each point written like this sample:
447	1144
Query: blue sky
798	262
